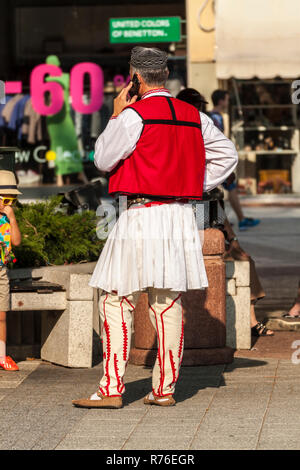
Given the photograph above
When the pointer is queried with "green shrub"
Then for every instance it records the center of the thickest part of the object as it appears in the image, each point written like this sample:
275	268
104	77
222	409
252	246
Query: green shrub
50	237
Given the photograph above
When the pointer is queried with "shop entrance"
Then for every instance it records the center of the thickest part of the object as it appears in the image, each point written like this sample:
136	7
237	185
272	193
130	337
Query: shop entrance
265	129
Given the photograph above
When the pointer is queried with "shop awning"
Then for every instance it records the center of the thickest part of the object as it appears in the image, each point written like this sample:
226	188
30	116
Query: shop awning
258	38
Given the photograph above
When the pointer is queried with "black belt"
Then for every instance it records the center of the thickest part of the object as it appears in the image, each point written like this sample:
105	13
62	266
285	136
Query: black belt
145	200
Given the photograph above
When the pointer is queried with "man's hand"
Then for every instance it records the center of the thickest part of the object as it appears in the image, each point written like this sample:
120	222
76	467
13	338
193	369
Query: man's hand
121	101
237	252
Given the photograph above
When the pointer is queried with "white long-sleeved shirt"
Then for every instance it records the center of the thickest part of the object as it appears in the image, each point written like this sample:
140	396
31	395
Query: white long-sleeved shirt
122	133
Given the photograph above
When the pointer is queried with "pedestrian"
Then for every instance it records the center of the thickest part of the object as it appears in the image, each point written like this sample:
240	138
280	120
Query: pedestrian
220	99
160	152
9	235
294	312
192	96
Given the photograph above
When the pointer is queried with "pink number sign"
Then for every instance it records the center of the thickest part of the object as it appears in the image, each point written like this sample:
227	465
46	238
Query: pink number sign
119	81
38	87
77	87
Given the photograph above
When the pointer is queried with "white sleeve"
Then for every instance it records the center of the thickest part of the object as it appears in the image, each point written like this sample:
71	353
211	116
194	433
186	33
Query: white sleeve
220	154
118	140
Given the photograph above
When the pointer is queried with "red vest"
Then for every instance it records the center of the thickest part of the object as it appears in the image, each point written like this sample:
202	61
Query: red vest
169	158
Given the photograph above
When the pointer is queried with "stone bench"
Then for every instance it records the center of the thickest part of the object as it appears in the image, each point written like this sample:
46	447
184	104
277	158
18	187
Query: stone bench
67	320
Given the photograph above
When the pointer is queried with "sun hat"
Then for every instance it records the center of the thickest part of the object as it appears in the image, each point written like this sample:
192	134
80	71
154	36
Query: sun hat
8	183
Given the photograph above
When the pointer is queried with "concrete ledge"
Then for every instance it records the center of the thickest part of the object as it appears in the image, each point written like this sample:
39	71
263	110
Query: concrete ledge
79	288
75	284
238	305
67	337
33	301
38	273
238	332
240	271
230	287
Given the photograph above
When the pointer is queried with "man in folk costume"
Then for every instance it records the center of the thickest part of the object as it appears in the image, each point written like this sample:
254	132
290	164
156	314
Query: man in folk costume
160	152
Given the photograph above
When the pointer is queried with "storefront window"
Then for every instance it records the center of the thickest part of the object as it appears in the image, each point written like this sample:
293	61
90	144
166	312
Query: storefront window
59	147
264	126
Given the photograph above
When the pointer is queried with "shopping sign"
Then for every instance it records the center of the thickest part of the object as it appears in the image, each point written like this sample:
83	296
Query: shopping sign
39	86
135	30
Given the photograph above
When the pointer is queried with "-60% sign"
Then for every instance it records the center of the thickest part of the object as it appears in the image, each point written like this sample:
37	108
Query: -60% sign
39	86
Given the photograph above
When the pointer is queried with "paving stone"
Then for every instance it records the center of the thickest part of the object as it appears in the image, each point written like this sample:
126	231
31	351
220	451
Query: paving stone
282	416
108	428
278	431
162	443
177	413
90	443
116	415
279	444
230	423
211	441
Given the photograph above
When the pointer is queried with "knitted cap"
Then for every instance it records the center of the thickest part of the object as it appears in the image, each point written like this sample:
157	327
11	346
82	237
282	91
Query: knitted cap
148	58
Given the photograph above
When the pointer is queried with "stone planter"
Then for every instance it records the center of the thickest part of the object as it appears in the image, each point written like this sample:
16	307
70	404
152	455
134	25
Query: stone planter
204	316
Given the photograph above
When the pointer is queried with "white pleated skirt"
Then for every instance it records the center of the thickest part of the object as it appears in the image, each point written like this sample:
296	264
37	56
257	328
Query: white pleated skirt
157	246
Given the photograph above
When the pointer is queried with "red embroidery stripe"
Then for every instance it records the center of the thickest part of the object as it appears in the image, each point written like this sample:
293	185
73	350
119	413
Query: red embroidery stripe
173	367
163	340
103	393
157	90
125	341
125	333
132	306
181	339
180	352
158	349
119	380
108	348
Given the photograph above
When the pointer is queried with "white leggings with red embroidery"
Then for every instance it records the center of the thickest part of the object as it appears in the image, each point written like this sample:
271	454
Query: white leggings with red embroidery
166	315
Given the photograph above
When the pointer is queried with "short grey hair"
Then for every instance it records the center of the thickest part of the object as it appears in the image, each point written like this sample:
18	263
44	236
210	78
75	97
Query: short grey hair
153	77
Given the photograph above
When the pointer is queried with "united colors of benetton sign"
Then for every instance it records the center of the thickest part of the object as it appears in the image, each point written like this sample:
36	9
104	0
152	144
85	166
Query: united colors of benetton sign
135	30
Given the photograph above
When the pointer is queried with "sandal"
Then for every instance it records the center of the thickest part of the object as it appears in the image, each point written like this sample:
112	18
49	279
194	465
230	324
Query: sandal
260	330
8	364
287	315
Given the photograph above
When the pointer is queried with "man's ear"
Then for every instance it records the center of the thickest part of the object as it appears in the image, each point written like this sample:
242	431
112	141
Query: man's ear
140	79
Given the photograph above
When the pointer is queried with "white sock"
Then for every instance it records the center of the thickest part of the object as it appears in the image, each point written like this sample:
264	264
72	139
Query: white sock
151	397
95	397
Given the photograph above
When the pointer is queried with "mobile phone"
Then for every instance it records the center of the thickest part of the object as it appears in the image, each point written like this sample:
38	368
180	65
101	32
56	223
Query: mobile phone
134	90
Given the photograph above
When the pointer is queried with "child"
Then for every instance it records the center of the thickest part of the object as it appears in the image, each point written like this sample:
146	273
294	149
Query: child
9	235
